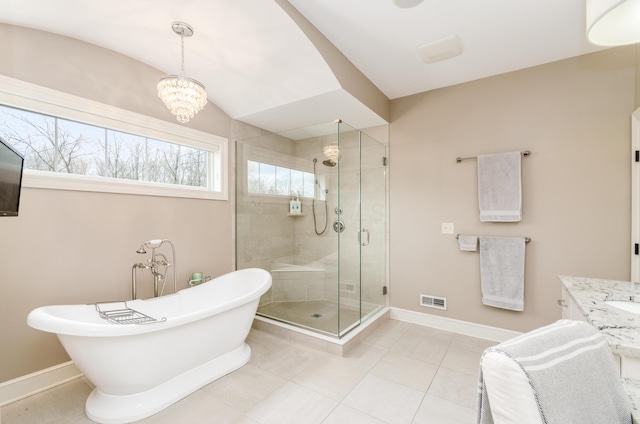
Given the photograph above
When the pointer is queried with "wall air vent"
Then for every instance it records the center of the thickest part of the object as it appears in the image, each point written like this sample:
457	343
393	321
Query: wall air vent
433	302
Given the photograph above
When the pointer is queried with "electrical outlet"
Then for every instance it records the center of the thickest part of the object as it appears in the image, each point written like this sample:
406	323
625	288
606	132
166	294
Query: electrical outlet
447	228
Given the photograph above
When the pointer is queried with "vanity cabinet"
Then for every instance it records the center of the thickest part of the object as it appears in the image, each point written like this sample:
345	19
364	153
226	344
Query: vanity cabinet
570	309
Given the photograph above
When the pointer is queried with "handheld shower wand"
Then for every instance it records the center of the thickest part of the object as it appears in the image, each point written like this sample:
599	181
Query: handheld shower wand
313	202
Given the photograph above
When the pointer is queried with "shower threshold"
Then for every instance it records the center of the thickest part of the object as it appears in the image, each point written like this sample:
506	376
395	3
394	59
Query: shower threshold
315	337
317	315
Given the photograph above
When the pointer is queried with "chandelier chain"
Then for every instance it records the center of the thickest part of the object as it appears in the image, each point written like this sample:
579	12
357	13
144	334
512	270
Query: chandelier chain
182	56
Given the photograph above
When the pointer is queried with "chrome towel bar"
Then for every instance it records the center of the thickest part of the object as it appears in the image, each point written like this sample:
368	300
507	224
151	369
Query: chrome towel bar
525	154
526	239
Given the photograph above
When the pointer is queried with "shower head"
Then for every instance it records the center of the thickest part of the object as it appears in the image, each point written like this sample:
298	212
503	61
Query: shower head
329	162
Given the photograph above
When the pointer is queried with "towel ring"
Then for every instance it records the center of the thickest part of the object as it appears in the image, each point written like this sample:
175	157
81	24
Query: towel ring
527	240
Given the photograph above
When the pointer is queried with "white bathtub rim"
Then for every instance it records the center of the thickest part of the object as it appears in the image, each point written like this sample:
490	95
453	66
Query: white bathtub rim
47	319
118	409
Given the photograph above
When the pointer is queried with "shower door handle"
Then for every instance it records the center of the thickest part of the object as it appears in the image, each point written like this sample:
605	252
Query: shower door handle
368	237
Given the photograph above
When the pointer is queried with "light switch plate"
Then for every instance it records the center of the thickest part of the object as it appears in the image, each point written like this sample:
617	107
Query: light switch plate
447	228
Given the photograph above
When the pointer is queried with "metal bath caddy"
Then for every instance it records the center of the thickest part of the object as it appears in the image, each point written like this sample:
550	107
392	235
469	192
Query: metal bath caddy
125	315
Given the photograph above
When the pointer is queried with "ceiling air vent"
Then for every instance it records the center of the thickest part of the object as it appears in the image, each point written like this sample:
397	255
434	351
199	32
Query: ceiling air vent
433	302
441	49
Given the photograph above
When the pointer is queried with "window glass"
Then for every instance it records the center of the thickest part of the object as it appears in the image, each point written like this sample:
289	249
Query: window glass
309	182
65	146
78	148
31	134
253	177
283	181
267	178
297	182
264	178
194	166
125	156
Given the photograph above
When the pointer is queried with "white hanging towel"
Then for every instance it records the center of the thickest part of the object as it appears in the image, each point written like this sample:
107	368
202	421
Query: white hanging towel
500	187
468	243
502	272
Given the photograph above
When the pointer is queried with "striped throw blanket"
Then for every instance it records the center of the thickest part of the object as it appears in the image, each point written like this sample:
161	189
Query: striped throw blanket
572	373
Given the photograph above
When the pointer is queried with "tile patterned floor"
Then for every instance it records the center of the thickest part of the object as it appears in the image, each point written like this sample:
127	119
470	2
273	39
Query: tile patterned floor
401	374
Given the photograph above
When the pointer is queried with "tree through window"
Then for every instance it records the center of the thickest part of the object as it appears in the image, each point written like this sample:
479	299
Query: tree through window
59	145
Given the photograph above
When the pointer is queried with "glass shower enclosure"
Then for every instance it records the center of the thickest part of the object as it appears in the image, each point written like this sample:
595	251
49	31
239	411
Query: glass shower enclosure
328	255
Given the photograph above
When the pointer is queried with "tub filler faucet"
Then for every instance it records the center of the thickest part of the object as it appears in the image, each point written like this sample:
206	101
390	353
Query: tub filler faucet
154	264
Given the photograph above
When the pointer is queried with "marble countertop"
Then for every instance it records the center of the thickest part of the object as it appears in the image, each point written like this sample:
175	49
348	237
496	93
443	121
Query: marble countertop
622	329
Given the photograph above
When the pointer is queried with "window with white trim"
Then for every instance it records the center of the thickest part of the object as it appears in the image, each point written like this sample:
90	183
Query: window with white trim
264	178
53	144
100	148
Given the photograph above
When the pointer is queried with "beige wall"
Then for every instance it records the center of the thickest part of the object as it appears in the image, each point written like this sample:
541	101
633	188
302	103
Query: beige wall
574	116
79	247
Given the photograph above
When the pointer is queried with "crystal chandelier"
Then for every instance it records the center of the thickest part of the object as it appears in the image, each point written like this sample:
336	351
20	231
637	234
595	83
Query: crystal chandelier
183	96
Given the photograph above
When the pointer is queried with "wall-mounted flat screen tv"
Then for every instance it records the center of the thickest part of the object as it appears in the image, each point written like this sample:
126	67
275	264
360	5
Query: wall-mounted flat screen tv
11	164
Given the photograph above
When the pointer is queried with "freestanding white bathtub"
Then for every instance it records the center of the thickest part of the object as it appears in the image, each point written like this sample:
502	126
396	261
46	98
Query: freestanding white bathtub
139	370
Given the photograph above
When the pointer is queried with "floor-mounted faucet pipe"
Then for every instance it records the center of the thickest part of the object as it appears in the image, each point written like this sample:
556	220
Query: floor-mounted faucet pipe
133	278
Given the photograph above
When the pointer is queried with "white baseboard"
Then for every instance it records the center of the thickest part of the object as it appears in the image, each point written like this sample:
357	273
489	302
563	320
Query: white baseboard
453	325
30	384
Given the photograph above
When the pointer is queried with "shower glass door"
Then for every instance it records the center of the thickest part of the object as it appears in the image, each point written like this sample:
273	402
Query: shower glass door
348	282
362	243
373	225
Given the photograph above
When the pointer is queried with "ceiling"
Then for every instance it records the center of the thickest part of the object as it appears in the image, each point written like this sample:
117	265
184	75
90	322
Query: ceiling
259	67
